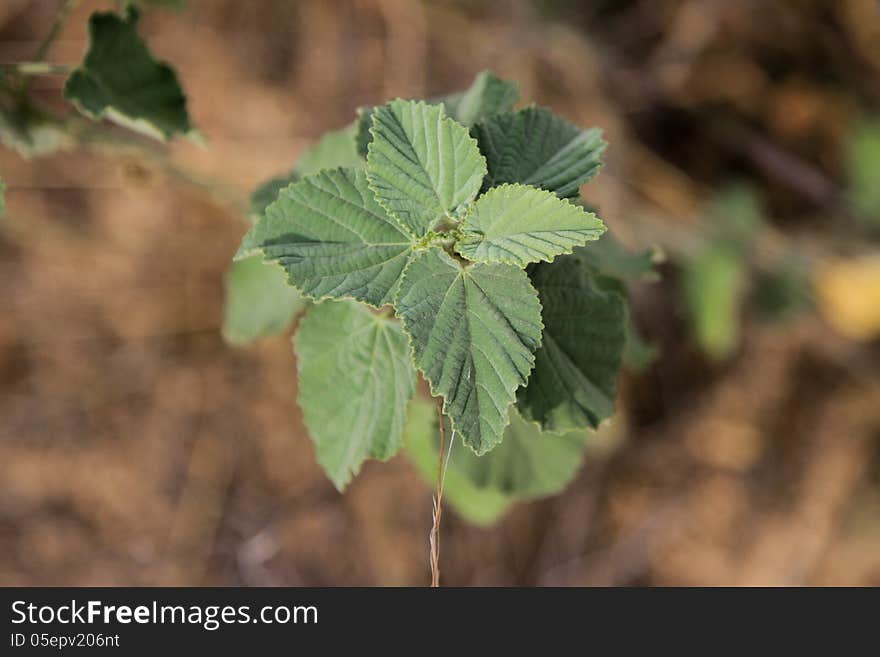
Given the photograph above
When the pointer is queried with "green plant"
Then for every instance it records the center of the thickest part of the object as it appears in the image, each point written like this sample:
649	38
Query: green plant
448	241
445	238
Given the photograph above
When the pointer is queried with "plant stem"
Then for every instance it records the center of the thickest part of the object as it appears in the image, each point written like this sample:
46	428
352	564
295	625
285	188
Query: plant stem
57	25
434	537
38	68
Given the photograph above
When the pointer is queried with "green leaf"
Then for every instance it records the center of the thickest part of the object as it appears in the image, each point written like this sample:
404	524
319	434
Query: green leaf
535	147
474	330
527	465
638	354
422	165
355	378
476	505
177	5
337	148
333	239
264	195
736	215
863	162
574	381
119	80
363	137
30	134
488	95
520	224
259	302
608	257
714	282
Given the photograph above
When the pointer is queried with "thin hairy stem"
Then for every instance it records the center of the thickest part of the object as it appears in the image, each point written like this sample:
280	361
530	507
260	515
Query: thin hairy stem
442	465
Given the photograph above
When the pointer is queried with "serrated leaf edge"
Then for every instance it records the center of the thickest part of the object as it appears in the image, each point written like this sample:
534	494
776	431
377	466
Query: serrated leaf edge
241	255
456	212
567	200
437	393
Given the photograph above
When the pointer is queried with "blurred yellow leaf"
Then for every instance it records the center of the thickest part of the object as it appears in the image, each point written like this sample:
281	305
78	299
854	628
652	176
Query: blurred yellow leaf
848	293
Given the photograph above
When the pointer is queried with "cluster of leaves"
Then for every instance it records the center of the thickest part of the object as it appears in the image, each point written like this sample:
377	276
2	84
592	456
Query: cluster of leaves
445	238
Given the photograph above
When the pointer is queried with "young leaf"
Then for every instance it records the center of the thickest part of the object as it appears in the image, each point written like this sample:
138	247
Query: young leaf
487	96
575	377
535	147
259	302
520	224
333	239
474	330
355	378
526	465
421	164
336	148
119	80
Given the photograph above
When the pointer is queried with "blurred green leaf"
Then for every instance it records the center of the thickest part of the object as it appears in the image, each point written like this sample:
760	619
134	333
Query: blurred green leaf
488	95
714	282
479	506
863	169
638	355
259	302
608	257
31	135
121	81
527	465
177	5
735	215
783	291
264	195
337	148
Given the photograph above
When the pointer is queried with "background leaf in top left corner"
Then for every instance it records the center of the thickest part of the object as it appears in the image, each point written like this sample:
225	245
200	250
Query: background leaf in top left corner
120	80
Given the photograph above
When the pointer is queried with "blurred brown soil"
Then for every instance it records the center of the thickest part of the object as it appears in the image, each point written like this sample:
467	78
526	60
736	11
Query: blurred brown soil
137	448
